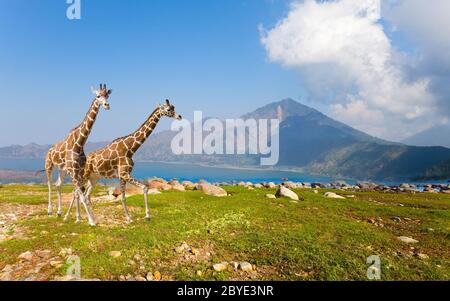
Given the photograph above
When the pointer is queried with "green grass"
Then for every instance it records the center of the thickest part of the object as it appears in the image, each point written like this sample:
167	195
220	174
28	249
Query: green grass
314	239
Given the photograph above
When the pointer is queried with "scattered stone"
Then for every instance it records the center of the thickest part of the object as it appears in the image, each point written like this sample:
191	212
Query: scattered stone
332	195
219	267
65	252
195	251
212	190
149	276
396	219
407	240
245	266
183	247
140	278
56	263
115	254
177	186
26	256
199	273
157	275
316	191
286	192
271	196
422	256
234	264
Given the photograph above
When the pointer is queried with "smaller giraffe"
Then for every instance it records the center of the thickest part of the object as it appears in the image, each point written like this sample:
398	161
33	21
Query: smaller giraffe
68	155
115	160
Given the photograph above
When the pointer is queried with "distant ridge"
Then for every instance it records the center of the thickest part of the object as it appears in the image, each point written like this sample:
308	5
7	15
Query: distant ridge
310	142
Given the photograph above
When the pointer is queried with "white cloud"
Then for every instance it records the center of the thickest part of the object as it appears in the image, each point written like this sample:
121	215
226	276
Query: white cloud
347	60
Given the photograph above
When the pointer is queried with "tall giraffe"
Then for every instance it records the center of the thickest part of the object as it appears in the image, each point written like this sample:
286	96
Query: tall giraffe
115	160
68	155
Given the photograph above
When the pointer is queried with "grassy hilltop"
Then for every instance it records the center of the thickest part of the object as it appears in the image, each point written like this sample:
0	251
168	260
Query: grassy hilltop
313	239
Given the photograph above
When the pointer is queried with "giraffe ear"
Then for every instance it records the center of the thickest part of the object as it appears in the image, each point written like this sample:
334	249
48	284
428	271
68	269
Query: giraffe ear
109	92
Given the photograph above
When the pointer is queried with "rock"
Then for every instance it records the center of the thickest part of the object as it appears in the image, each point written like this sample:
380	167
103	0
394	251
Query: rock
422	256
245	266
115	254
258	186
157	275
212	190
26	256
407	240
286	192
159	184
396	219
271	196
178	187
316	191
199	273
332	195
56	263
149	276
44	253
195	251
189	185
219	267
183	247
140	278
234	264
65	251
290	185
271	185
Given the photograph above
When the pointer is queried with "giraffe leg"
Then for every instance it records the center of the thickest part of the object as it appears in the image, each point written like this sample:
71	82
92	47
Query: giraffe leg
123	184
74	196
90	187
128	178
58	185
78	212
49	184
81	197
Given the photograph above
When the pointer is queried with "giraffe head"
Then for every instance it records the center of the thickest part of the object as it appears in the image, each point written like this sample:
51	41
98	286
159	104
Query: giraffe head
168	110
102	95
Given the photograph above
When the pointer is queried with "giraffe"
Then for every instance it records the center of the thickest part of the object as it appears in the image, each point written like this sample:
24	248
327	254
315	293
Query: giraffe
115	160
68	155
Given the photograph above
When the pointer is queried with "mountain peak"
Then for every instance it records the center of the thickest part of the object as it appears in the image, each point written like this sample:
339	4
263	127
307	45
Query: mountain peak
281	110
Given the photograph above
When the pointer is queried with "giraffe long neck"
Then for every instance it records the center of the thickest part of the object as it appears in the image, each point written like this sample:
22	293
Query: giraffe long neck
88	122
145	130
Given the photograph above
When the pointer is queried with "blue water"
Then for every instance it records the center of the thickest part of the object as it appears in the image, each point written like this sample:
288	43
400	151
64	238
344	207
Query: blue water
144	170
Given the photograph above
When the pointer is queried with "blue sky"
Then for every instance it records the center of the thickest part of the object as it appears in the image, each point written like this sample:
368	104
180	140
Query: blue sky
201	54
208	55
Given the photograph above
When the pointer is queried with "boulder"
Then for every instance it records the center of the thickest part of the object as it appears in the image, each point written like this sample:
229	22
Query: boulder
271	196
157	183
219	267
332	195
245	266
271	185
188	185
212	190
178	187
286	192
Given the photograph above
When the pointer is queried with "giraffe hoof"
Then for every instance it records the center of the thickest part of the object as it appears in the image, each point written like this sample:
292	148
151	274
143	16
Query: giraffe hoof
92	224
147	218
59	214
